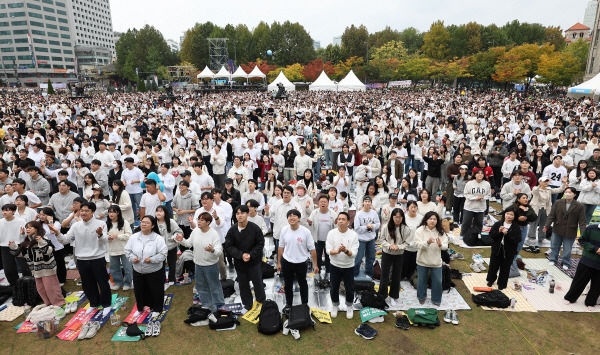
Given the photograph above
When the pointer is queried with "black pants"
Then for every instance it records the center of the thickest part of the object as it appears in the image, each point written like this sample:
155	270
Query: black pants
457	209
497	176
61	268
149	290
93	277
409	263
337	275
9	264
472	223
499	261
320	249
390	263
219	181
583	275
172	263
299	271
244	276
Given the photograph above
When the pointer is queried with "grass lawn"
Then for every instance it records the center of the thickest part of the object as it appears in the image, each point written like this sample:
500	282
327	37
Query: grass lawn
479	332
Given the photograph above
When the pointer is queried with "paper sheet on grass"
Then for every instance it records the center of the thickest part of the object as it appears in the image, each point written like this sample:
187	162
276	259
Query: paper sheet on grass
253	314
144	317
121	334
321	316
73	326
27	327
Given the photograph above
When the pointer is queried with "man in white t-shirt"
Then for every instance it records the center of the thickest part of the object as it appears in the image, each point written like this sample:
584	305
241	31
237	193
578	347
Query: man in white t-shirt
132	178
151	199
202	178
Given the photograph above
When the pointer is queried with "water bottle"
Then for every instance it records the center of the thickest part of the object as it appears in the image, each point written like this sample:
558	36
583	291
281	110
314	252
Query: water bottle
513	302
26	310
552	285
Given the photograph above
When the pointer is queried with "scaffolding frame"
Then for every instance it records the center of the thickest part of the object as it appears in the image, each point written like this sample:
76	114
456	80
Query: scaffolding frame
217	52
180	73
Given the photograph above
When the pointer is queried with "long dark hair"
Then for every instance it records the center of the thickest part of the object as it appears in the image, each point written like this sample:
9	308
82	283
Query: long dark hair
28	242
438	225
117	194
167	217
92	177
120	220
391	226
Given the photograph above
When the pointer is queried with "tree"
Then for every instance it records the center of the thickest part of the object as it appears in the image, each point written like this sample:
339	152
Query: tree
385	69
579	50
493	36
291	43
263	65
511	68
331	53
50	90
292	72
380	38
436	43
454	69
141	87
357	64
554	36
355	40
473	33
313	69
194	48
521	33
412	39
557	68
530	54
482	65
415	68
390	50
458	40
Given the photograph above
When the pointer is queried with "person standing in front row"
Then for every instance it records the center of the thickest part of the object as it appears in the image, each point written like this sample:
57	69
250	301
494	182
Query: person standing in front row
506	234
588	270
245	242
295	245
89	238
342	246
366	224
146	250
430	240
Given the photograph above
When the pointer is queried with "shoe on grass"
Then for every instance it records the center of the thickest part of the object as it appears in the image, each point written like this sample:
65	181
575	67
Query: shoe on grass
454	317
475	267
448	316
565	267
93	330
349	313
365	331
334	312
115	287
84	330
127	288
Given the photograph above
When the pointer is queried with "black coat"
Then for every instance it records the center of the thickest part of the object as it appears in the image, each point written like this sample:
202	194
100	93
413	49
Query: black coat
511	239
234	195
250	240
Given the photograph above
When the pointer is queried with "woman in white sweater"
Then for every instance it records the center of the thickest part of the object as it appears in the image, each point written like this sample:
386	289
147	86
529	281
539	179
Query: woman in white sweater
425	204
413	221
590	193
119	232
123	200
168	229
477	192
430	240
207	250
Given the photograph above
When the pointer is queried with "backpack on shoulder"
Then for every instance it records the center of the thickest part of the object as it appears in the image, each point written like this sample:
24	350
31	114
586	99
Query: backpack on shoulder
373	299
493	298
269	321
300	318
225	320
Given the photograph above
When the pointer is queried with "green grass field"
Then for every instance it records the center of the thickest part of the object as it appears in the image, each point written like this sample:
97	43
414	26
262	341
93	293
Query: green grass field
479	332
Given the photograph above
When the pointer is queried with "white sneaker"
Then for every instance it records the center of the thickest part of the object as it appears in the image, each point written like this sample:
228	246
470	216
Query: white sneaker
475	267
114	287
481	266
545	244
565	267
74	307
167	286
126	288
286	330
295	333
349	313
84	330
334	312
94	328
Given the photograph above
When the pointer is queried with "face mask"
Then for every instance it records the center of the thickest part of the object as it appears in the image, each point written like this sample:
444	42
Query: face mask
64	165
569	195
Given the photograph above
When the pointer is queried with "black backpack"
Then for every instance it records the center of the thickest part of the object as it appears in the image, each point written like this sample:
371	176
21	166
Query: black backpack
196	313
447	283
493	298
228	287
300	318
268	271
373	299
26	292
269	321
360	286
225	320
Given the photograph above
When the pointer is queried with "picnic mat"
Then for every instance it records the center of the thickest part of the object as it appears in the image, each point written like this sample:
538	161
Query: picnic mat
73	274
540	297
144	317
408	299
571	270
478	280
11	313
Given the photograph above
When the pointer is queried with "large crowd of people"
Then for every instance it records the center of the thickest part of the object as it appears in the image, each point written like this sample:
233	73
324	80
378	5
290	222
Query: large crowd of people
130	180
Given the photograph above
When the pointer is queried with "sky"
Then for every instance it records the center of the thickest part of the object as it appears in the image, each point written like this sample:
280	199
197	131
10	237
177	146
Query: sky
325	19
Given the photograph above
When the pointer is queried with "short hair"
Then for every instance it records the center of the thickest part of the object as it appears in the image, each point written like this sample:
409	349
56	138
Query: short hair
63	173
23	198
150	182
345	214
294	212
572	189
288	188
217	190
34	168
80	200
97	162
253	181
19	181
129	160
253	203
184	183
9	207
206	216
243	208
90	205
208	195
323	197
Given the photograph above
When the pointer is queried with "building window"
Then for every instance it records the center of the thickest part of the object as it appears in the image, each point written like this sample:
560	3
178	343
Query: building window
66	44
36	15
53	34
48	9
6	41
17	14
22	49
61	12
40	41
35	23
8	49
20	32
41	49
67	51
44	66
60	4
57	59
48	2
63	20
15	5
43	57
4	24
21	40
50	18
49	25
18	23
39	33
63	28
24	57
34	6
54	43
65	36
55	50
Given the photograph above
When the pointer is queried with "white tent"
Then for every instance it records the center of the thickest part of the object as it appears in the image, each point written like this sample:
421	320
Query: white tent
351	83
282	79
239	73
223	73
588	88
322	83
256	73
206	73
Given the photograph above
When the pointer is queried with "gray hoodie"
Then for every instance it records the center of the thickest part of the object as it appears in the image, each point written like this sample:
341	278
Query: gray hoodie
187	202
41	187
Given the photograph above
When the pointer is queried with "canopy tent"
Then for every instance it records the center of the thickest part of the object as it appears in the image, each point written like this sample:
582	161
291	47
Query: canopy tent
588	88
322	83
351	83
239	73
256	73
206	73
282	79
223	73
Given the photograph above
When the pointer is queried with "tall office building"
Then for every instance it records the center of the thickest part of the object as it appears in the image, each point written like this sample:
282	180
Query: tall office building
93	33
590	14
337	41
36	43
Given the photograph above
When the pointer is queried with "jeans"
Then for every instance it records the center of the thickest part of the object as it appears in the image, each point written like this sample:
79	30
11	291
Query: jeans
537	226
320	249
589	211
365	249
291	270
245	275
328	153
116	263
169	207
567	244
317	170
135	203
436	283
418	166
522	242
337	276
391	263
208	286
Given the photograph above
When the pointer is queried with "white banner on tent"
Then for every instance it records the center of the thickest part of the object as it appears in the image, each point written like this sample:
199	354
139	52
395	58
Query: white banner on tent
400	84
54	85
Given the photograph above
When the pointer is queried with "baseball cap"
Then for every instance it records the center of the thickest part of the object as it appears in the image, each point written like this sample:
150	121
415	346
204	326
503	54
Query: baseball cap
393	195
544	178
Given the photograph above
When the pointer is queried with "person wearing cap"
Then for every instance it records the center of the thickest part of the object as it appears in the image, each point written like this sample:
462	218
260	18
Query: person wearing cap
386	210
239	183
321	221
366	225
511	189
102	204
541	203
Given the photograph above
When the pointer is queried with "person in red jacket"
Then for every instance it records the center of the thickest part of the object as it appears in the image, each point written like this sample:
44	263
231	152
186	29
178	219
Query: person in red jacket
528	175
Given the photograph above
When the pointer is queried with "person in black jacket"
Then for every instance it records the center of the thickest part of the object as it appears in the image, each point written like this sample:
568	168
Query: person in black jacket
506	234
245	242
231	195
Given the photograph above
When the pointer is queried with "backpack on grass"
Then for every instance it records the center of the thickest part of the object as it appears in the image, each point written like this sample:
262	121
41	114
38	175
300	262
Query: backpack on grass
300	317
26	292
269	321
427	317
225	320
373	299
493	298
